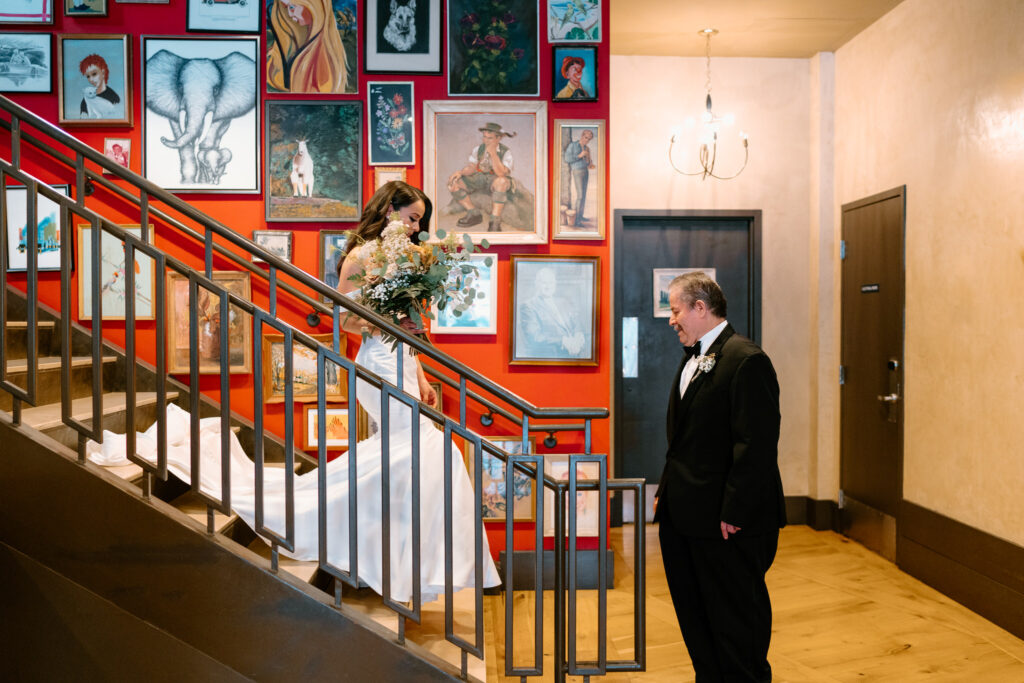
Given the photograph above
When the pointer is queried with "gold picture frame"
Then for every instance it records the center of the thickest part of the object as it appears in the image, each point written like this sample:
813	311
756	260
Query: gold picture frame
337	427
304	379
85	63
494	506
240	334
385	174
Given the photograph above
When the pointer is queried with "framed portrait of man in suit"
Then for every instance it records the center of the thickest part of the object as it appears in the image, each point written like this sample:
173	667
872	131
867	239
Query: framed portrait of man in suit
554	310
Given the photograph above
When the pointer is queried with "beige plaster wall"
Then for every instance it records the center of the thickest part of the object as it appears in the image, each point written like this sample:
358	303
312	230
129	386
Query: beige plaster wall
769	97
932	96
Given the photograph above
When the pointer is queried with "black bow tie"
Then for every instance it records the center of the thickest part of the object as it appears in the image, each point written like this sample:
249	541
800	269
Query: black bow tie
692	350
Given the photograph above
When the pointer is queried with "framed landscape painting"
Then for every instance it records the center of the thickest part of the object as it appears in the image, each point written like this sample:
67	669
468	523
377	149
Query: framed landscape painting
463	142
303	380
482	315
112	276
554	310
493	48
223	16
662	279
95	80
314	160
402	36
200	75
47	229
311	46
577	201
85	8
26	62
335	428
277	242
392	125
494	504
27	12
574	21
239	325
332	248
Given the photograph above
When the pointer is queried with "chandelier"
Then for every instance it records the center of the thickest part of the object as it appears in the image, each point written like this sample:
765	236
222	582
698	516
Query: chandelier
712	124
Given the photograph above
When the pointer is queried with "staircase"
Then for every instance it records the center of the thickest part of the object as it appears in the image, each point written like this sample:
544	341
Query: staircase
164	568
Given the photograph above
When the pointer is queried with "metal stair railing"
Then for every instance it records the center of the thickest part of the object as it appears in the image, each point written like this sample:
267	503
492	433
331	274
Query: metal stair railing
212	238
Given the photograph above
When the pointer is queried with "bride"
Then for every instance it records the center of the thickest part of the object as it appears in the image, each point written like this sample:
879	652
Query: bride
377	357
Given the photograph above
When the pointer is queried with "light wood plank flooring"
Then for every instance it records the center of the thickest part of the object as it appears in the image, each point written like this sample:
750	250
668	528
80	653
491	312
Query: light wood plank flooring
842	614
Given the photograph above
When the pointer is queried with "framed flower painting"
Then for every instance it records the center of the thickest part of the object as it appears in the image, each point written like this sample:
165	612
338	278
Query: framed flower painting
392	126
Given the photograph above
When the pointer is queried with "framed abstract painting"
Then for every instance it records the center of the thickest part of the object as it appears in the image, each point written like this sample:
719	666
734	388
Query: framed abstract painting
311	46
335	428
314	160
47	229
494	503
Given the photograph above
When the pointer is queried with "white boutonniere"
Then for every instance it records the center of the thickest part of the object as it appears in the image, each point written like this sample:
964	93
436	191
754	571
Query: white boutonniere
705	363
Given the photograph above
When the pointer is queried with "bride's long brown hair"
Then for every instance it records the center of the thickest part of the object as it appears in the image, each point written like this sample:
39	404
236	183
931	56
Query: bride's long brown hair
396	194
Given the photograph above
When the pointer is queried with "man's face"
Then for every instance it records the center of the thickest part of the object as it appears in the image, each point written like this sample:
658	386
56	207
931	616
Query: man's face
574	73
686	320
585	137
96	77
490	138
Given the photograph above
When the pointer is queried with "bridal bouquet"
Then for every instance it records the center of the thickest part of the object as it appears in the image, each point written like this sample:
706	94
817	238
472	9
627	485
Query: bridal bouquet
401	279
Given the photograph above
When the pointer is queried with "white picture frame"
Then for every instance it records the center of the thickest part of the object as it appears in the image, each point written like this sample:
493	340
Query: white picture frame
47	213
482	315
112	300
453	131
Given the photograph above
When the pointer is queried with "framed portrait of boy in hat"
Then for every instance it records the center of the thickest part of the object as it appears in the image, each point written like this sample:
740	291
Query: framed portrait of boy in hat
574	73
486	169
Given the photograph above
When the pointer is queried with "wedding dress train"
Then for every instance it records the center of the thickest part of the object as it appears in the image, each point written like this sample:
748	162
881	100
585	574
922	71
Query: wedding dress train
379	359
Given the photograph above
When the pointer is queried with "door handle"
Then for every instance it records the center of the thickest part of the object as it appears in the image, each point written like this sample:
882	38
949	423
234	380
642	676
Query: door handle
889	398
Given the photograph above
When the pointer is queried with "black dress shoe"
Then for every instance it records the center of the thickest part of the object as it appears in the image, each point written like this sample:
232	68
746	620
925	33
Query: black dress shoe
470	219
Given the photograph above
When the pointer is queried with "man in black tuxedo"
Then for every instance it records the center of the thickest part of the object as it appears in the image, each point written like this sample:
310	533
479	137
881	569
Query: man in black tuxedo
720	503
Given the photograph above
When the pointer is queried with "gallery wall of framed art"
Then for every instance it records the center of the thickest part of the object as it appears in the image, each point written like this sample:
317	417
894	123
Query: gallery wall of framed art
385	62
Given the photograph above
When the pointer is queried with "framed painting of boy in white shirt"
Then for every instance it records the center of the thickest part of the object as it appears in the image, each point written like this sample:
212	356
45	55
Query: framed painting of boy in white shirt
486	169
95	80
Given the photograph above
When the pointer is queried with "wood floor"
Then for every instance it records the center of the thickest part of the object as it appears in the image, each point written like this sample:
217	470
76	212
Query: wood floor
841	613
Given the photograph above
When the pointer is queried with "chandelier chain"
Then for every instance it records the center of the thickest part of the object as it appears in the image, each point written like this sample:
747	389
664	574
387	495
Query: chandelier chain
707	55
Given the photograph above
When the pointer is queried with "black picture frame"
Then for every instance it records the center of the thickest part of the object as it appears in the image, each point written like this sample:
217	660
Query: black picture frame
586	91
391	123
381	55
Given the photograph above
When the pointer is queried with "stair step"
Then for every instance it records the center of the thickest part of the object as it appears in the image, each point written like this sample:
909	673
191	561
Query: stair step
23	324
192	505
53	363
303	570
48	416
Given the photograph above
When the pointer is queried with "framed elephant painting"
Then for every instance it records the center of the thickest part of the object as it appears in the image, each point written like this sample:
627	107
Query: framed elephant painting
314	160
213	146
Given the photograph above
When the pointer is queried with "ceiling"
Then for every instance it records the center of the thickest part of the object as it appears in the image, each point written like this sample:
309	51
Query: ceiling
747	28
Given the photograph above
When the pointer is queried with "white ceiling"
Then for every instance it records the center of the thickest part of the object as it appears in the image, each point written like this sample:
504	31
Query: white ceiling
747	28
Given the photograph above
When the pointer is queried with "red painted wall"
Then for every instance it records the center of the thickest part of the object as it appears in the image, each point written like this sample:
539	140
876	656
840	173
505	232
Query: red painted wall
541	385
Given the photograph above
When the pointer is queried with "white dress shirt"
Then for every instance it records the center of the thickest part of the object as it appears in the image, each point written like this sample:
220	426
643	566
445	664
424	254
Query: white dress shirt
690	369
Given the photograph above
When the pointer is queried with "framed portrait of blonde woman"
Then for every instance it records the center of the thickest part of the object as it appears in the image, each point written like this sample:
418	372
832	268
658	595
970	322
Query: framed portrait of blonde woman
311	46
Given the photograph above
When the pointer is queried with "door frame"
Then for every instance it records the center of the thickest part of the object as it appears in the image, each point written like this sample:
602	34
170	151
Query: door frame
853	513
623	216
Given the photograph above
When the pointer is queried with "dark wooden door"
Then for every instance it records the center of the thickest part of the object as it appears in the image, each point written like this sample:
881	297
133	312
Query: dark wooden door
871	413
729	242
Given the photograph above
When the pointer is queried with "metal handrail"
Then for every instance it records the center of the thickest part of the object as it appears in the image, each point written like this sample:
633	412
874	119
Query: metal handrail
202	280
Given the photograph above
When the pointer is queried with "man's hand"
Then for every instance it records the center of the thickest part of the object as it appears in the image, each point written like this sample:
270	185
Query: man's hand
728	529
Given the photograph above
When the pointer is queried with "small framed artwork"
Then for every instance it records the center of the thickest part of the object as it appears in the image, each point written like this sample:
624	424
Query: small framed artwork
277	242
663	277
311	46
494	505
574	22
47	229
383	175
201	75
85	8
303	380
143	2
112	276
332	249
26	62
482	315
223	16
577	201
335	428
554	310
588	510
94	87
239	352
314	160
392	130
118	150
402	36
27	12
493	48
464	141
574	73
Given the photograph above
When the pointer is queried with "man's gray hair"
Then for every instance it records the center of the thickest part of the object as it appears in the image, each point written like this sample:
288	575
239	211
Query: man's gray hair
697	286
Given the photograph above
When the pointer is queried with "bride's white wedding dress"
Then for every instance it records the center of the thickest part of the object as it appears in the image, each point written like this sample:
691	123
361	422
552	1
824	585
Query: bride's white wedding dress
379	359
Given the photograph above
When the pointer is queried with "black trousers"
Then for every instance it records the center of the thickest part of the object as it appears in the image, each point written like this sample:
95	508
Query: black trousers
721	601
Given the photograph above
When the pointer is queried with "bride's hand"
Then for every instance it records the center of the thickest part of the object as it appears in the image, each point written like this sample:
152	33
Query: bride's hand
409	325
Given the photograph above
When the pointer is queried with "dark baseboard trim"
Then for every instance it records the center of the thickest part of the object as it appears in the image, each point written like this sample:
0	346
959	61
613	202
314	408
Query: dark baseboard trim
980	571
820	515
523	567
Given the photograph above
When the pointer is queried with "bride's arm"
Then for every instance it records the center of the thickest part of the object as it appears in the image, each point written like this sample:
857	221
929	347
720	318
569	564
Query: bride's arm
350	322
427	393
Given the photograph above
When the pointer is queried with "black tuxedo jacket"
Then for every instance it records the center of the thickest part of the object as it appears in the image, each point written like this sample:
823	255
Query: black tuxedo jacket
723	436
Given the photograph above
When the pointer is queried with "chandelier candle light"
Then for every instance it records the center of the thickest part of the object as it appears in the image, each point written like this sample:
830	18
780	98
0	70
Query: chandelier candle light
712	123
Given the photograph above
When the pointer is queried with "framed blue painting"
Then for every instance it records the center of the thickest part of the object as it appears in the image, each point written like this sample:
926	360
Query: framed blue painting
573	73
